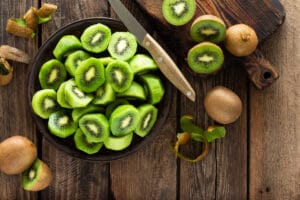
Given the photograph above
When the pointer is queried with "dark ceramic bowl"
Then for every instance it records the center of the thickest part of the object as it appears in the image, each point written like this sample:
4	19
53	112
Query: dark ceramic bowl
67	145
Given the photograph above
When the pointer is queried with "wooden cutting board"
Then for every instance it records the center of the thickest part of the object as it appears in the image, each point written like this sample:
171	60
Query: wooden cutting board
265	16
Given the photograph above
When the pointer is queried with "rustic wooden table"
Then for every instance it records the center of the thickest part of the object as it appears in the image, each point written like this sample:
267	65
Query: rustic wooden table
258	159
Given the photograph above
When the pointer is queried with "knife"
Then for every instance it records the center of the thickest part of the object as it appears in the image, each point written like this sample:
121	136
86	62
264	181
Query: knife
165	63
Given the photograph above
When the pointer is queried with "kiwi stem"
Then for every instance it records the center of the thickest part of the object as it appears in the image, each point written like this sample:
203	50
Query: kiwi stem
245	37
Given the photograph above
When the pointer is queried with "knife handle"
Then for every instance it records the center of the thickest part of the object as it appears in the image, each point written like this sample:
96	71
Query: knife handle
168	67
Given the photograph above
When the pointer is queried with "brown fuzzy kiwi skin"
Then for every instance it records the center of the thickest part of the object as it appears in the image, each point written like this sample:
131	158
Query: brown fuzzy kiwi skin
241	40
5	79
17	154
223	105
208	17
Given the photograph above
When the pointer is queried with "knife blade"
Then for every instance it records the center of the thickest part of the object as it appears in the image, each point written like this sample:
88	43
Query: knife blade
165	63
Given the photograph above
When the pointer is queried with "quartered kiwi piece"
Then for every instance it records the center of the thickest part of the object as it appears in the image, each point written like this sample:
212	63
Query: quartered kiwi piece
205	58
75	97
90	75
208	28
104	95
123	45
44	103
61	124
123	120
118	143
52	74
82	144
96	38
111	107
75	59
119	75
134	92
66	45
61	98
77	113
95	127
142	63
154	87
18	27
106	60
178	12
148	116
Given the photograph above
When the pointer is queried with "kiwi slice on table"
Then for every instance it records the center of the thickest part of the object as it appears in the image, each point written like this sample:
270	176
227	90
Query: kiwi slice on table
142	63
208	28
104	95
118	143
95	127
154	87
66	45
123	45
75	97
111	107
178	12
90	75
52	74
134	92
61	97
148	116
205	58
123	120
106	60
77	113
119	75
96	38
61	124
74	60
44	103
82	144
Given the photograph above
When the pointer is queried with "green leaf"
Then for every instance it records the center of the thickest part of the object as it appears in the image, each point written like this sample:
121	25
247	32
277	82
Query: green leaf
215	133
187	125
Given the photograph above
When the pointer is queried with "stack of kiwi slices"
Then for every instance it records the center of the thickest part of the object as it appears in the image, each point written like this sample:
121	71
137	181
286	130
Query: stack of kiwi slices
97	91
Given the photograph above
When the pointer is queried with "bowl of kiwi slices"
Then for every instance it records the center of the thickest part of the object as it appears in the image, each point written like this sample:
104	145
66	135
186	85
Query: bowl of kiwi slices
95	93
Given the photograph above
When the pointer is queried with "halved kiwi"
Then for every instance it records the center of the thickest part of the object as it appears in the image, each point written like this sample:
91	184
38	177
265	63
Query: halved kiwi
118	143
82	144
154	88
111	107
66	45
134	92
148	116
74	60
61	97
205	58
104	95
77	113
142	63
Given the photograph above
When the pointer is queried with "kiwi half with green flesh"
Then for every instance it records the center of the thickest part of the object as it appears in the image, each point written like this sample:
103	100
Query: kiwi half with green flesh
61	97
142	63
119	75
123	45
66	45
44	103
74	59
134	92
77	113
104	95
37	177
75	97
111	107
106	60
154	88
82	144
118	143
208	28
148	116
178	12
52	74
123	120
61	124
90	75
205	58
96	38
95	127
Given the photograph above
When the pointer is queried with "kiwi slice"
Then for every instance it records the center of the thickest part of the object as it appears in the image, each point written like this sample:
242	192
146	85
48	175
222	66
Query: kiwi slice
90	75
123	45
119	75
106	60
134	92
148	116
82	144
61	124
79	112
205	58
178	12
66	45
96	38
52	74
208	28
95	127
75	59
75	97
154	88
123	120
104	95
61	98
142	63
44	103
111	107
118	143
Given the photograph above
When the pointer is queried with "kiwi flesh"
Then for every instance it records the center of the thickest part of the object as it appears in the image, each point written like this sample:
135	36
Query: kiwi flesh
134	92
82	144
178	12
104	95
118	143
148	116
77	113
66	45
52	74
142	63
205	58
74	59
153	87
61	97
106	60
44	103
111	107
